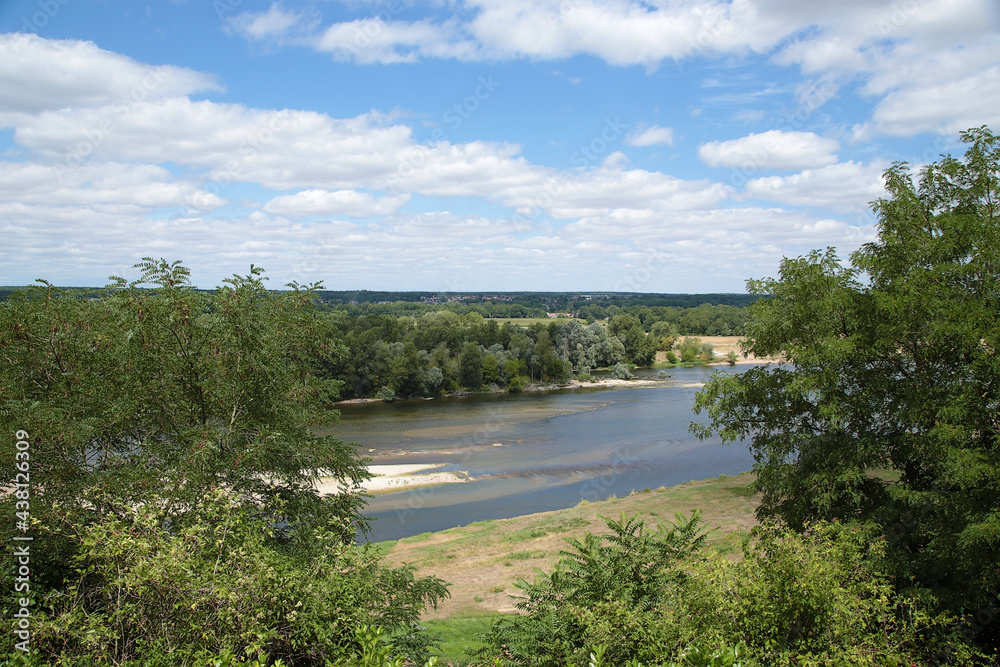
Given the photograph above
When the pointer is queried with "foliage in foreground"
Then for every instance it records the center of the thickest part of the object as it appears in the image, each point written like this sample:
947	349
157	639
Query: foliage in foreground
821	597
217	586
172	462
892	364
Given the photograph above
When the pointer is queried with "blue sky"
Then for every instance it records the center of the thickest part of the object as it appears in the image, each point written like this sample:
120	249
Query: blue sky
471	144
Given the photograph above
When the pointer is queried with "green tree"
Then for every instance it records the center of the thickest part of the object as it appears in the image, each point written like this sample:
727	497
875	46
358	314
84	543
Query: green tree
601	592
891	364
638	348
490	369
690	348
159	396
663	334
208	390
472	365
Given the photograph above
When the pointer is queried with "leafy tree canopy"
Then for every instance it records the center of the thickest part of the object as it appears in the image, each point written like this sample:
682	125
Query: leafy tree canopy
157	392
888	406
173	454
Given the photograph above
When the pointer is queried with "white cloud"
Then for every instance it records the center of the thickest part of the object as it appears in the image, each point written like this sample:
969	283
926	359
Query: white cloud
94	182
845	187
774	149
569	195
41	74
138	188
273	25
616	160
339	202
892	49
278	149
372	40
651	136
946	107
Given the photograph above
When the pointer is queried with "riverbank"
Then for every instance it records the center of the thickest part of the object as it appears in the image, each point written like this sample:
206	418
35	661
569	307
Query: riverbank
722	346
483	560
533	387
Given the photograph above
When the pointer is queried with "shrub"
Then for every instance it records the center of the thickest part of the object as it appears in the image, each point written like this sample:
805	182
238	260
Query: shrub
219	585
621	372
517	383
601	592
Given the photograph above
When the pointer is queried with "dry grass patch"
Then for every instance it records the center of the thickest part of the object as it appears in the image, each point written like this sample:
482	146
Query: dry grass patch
482	561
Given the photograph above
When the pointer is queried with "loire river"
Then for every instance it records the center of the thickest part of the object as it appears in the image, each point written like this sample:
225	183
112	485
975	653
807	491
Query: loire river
536	451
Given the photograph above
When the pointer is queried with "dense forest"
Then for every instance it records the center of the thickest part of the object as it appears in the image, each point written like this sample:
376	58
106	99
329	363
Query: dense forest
162	508
441	351
425	345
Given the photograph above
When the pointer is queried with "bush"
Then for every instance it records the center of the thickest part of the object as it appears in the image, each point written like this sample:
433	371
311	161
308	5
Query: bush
823	598
220	585
386	394
602	592
621	372
517	383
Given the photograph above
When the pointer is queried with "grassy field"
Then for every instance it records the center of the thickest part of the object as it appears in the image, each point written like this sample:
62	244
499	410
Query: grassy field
483	560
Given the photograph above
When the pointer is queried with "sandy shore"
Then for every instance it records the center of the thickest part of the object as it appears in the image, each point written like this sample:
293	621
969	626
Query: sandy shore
399	477
612	382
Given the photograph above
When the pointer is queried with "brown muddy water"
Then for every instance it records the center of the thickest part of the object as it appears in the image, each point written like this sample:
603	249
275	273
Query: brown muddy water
536	451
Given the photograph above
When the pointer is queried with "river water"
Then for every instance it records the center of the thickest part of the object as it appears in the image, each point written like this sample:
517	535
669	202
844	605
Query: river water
534	452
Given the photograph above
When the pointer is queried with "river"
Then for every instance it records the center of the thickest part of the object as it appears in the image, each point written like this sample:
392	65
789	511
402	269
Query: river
536	451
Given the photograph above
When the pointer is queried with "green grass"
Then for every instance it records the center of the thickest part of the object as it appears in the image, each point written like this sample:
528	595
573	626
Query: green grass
457	635
416	538
478	557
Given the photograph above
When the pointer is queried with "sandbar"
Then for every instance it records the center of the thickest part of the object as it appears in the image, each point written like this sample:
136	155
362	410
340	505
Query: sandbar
398	477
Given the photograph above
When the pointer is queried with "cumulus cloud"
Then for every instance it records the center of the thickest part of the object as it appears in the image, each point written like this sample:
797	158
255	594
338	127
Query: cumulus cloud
351	203
774	149
897	50
39	74
372	40
273	25
847	186
616	160
651	136
136	187
91	177
279	149
933	107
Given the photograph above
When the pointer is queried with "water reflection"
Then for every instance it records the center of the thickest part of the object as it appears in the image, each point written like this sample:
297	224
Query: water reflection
532	453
